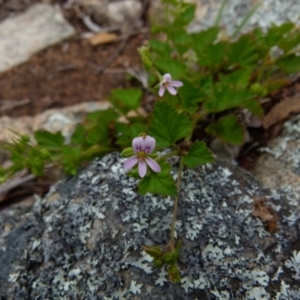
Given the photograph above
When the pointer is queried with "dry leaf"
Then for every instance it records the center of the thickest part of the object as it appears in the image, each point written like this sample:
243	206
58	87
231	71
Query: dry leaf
266	213
103	38
281	111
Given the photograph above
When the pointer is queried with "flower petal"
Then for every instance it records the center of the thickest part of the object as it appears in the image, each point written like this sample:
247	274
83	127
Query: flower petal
161	91
142	168
130	162
138	144
153	164
150	144
176	83
171	90
167	77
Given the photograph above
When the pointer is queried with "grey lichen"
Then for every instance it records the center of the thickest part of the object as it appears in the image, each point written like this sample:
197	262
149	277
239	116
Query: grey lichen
84	239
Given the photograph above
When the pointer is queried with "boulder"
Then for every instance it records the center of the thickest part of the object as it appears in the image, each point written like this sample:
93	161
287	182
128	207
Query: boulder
84	239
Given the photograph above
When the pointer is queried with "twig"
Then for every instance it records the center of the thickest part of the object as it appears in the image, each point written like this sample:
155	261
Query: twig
18	180
9	104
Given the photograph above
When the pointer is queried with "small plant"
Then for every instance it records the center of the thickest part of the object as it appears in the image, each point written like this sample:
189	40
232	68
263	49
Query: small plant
216	78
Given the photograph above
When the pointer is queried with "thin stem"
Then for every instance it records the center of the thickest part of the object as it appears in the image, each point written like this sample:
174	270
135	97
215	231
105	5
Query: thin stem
170	154
197	117
220	13
245	20
172	242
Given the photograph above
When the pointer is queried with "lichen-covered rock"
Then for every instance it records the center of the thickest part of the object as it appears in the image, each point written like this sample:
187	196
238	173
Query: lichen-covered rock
279	165
83	240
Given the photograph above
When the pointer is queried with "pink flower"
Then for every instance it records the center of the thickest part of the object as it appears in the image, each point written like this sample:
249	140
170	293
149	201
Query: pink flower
169	84
142	146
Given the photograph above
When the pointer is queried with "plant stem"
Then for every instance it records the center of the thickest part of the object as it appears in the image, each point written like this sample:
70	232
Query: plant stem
170	154
172	242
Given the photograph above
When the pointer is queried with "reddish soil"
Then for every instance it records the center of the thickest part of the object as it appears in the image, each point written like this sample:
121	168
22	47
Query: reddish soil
66	73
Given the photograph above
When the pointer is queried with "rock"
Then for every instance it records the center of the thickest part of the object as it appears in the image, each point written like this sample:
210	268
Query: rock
279	165
37	28
84	239
63	119
269	12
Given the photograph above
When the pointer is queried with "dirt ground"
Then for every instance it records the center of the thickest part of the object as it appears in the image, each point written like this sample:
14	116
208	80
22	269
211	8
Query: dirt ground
66	73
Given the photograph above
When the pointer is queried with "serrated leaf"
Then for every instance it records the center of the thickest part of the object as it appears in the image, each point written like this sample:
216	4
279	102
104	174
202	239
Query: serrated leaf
187	14
276	33
254	106
228	129
160	47
78	136
243	51
159	183
48	139
239	78
204	38
191	96
129	98
289	64
98	127
181	39
212	55
225	97
290	41
198	155
168	126
174	67
125	133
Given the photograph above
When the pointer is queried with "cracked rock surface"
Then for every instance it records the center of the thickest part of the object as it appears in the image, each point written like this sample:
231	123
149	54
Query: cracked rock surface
83	240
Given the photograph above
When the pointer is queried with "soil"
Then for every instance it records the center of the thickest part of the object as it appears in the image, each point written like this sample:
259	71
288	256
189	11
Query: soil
64	74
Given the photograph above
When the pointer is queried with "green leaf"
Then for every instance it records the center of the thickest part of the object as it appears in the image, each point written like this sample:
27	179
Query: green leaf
290	41
187	14
181	39
153	251
239	78
243	51
168	126
47	139
289	64
125	133
129	98
212	55
169	258
253	106
228	129
225	97
160	47
272	85
78	136
191	96
144	52
159	183
174	67
173	274
98	126
276	33
204	38
198	155
158	263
